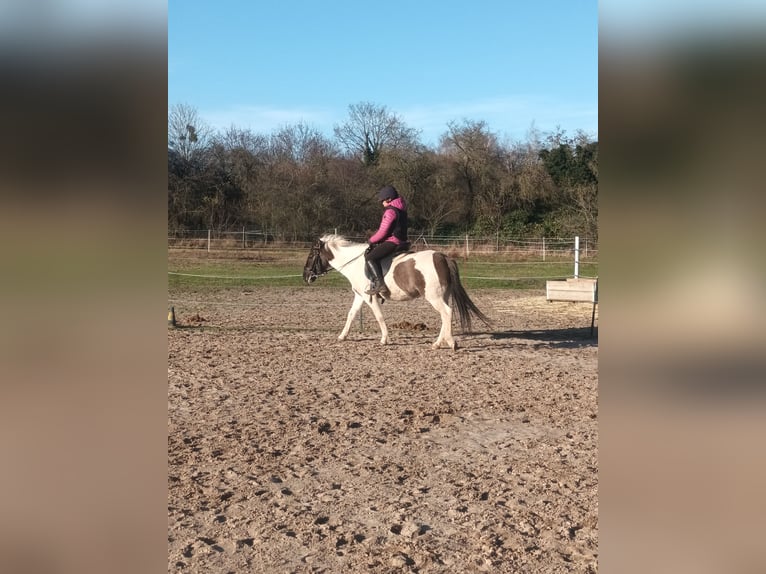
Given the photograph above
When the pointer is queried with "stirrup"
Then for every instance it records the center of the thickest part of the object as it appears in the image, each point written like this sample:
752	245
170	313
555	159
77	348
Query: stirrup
379	289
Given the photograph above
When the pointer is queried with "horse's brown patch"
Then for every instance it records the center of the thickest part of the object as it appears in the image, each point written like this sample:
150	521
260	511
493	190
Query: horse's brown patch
442	268
409	279
325	253
317	263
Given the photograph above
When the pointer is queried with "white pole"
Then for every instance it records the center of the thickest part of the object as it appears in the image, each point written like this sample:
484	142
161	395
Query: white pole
466	246
208	240
577	257
543	248
243	237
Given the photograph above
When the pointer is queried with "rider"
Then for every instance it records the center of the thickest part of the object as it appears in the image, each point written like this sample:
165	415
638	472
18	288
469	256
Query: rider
391	234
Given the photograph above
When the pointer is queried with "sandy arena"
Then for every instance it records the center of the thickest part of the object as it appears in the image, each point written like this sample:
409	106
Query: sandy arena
289	451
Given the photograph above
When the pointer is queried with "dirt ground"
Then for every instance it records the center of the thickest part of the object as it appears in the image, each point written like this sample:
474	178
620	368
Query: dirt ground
289	451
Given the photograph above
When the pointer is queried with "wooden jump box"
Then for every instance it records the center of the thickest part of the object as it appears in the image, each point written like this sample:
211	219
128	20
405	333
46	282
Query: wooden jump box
585	290
576	290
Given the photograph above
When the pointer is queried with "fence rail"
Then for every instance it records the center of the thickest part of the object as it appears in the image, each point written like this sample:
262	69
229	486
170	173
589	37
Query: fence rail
544	247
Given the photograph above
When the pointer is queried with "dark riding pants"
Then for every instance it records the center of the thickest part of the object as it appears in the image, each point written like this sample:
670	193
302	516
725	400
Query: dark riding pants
381	250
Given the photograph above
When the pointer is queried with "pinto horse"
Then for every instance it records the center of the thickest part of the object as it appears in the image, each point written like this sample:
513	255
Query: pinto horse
427	274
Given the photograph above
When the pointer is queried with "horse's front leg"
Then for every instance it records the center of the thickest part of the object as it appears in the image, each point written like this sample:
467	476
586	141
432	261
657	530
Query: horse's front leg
372	301
355	306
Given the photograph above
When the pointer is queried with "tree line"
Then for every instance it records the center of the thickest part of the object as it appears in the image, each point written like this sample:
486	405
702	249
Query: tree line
301	183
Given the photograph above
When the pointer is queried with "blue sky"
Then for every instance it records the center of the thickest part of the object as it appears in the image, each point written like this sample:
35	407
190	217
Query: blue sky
263	64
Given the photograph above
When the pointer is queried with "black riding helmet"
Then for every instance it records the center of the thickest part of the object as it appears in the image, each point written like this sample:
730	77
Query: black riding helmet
388	192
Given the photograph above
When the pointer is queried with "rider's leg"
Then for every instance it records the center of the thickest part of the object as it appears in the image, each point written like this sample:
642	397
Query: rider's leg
377	273
374	257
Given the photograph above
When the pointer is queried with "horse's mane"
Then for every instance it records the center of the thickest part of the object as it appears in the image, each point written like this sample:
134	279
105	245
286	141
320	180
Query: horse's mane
337	240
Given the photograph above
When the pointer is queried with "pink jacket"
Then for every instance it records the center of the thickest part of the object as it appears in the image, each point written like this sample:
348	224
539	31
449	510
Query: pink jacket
386	223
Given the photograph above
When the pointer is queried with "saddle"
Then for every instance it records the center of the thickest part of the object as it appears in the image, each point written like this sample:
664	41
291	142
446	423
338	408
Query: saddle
385	263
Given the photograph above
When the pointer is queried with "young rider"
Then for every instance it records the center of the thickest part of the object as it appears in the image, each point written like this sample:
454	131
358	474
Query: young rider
390	235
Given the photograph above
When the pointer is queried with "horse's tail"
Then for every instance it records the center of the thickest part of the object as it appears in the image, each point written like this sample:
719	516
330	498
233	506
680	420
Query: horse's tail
461	302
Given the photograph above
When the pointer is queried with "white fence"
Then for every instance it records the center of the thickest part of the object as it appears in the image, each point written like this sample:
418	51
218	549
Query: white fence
545	248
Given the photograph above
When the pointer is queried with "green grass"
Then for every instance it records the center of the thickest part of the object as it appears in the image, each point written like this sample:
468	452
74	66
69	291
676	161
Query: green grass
201	273
518	274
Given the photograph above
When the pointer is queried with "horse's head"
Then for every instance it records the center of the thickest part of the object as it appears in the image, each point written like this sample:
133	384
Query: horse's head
317	263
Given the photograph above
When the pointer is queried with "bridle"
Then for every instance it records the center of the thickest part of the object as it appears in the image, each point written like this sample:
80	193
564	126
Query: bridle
315	265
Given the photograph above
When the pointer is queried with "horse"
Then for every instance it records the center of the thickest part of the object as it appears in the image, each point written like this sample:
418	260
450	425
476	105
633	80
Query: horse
429	274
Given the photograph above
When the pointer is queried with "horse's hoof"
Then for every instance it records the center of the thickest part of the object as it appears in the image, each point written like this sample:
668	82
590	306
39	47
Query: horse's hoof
341	338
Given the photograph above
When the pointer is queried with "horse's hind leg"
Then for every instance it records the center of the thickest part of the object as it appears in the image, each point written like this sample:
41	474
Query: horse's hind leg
355	306
445	333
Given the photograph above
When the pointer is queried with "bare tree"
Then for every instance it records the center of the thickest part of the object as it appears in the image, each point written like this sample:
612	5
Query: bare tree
438	204
584	197
476	156
301	143
370	129
241	156
187	133
531	182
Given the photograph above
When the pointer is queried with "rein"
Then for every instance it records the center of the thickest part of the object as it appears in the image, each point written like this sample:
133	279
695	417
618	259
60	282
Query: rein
329	267
349	261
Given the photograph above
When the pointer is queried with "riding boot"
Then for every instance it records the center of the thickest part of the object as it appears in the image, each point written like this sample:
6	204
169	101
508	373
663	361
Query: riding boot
378	286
